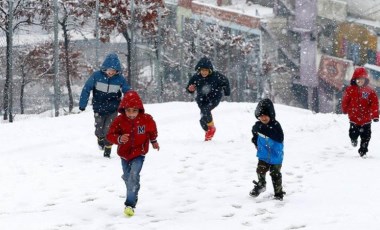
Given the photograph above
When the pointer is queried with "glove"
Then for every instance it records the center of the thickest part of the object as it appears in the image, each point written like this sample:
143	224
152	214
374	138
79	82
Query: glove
156	146
191	88
81	109
376	120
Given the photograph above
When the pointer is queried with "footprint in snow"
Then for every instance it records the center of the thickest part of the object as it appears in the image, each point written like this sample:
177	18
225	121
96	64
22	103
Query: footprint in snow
228	215
237	206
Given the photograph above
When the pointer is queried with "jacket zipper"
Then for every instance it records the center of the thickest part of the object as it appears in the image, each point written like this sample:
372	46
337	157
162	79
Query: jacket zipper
131	139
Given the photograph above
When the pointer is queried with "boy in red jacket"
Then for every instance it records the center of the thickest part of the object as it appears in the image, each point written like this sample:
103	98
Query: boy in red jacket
132	130
361	104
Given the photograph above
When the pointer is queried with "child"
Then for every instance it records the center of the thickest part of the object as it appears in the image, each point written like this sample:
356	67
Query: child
361	104
268	138
107	86
132	130
210	86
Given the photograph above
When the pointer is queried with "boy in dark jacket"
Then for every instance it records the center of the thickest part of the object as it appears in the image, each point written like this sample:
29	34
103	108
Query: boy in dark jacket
132	131
361	104
210	86
107	86
268	138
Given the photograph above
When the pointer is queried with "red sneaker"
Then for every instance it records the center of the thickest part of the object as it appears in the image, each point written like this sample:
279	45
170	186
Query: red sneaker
210	133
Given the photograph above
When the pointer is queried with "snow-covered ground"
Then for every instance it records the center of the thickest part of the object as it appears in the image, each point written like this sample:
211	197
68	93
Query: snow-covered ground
52	176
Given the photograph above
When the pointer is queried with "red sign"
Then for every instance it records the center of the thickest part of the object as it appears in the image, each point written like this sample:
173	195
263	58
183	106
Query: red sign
333	70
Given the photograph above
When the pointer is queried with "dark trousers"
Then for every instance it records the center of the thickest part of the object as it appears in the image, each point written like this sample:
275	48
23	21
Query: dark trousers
102	124
275	173
206	116
364	131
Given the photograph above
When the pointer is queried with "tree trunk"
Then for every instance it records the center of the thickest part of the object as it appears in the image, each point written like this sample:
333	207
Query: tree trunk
22	89
129	57
7	80
68	83
8	87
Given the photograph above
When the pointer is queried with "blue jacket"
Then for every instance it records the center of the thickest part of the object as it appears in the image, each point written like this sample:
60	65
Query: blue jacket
269	150
268	138
107	91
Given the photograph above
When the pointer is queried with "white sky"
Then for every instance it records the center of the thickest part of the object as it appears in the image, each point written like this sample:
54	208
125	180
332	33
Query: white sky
53	176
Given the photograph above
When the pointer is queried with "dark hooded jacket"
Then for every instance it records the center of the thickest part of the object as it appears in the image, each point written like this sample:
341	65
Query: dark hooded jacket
360	103
268	138
141	129
107	91
211	88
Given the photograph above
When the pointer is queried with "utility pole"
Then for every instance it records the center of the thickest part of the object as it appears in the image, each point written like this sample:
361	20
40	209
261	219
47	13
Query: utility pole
158	62
305	25
132	57
56	61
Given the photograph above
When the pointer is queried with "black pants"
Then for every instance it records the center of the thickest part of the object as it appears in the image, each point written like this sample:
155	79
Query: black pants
206	116
275	173
364	132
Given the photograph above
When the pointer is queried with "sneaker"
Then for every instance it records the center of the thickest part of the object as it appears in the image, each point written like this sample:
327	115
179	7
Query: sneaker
354	143
128	211
210	133
279	196
101	143
107	151
259	188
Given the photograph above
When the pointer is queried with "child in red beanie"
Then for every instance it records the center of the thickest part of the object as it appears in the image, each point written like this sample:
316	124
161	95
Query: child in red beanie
361	104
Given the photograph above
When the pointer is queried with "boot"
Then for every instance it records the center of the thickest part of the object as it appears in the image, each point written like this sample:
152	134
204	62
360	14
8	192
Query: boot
101	143
362	152
259	188
210	132
354	143
279	195
107	151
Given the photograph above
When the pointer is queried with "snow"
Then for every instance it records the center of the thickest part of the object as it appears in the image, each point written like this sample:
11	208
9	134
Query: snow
242	7
53	176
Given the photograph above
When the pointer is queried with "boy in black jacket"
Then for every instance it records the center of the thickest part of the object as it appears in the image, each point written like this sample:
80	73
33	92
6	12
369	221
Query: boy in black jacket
210	86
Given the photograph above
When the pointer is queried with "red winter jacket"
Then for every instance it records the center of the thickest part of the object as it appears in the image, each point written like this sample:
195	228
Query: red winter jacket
360	103
141	130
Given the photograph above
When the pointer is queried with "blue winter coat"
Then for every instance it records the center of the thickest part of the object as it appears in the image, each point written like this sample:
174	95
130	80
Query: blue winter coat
269	150
268	138
107	91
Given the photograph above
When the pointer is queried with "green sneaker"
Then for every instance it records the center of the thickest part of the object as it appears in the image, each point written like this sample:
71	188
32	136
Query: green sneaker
128	211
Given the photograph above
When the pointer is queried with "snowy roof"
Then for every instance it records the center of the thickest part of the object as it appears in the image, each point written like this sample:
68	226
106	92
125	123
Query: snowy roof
240	6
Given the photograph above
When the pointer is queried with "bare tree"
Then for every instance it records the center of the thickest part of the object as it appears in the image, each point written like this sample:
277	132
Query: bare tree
37	64
127	17
230	52
13	15
33	66
73	15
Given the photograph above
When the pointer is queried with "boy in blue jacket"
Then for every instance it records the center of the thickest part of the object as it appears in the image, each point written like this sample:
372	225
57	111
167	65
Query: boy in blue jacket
268	138
107	86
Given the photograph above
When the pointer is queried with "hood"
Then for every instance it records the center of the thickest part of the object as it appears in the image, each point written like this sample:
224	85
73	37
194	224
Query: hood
131	99
265	107
111	62
204	63
360	72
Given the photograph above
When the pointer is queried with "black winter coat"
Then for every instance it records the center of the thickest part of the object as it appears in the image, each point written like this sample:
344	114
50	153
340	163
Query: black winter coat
210	88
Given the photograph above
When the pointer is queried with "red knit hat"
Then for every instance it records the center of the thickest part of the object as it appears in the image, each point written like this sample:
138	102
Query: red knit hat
360	72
